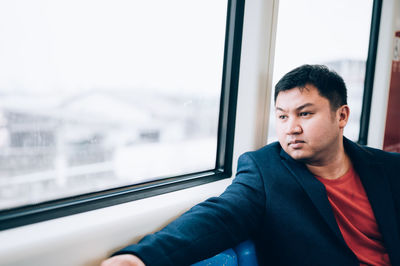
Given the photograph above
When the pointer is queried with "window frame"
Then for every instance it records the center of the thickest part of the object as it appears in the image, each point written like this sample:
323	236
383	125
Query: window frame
370	72
29	214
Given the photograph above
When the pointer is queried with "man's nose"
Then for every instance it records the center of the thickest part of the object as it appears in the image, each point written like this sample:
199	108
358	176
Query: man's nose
294	127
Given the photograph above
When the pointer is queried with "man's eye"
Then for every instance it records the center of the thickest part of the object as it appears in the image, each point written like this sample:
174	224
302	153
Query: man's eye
282	116
305	113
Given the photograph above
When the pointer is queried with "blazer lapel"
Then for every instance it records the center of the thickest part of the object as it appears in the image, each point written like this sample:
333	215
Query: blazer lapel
380	196
315	191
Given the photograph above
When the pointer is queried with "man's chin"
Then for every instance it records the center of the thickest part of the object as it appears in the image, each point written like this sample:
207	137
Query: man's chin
299	155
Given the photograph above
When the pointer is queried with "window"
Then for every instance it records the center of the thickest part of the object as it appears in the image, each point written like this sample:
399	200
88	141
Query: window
333	33
100	99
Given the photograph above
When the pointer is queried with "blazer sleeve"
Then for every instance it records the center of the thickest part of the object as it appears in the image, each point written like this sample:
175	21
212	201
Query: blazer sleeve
211	226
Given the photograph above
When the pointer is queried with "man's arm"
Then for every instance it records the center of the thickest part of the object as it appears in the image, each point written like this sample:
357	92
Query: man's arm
211	226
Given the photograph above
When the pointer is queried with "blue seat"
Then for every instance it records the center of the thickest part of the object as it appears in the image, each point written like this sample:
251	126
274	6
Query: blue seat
246	254
227	257
243	254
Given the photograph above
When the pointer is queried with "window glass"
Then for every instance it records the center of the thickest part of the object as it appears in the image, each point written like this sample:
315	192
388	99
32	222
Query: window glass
96	94
333	33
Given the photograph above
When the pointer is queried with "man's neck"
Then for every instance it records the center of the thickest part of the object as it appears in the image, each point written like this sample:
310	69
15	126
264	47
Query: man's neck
332	169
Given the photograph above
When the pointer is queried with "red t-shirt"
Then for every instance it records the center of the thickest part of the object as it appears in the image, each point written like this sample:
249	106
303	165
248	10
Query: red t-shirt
355	218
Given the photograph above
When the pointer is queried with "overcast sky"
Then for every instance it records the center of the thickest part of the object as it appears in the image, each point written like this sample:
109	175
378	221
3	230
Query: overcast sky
58	46
317	31
70	45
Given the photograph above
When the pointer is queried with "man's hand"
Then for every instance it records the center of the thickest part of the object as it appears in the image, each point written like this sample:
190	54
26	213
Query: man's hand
123	260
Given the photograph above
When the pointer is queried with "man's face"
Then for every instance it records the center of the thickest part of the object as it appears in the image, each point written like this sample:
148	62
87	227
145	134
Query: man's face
307	128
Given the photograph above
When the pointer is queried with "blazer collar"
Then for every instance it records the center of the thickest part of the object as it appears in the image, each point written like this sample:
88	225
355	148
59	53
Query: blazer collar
375	183
315	191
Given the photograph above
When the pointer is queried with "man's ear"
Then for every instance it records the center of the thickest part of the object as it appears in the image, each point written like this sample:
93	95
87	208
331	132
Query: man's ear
343	114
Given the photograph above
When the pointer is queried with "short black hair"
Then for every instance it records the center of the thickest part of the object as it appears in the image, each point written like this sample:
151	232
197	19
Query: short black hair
329	84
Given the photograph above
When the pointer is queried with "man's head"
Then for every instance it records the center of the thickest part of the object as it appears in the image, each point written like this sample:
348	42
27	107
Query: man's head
311	113
329	84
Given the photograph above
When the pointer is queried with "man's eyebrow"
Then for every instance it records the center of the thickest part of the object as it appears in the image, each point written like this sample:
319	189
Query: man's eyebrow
297	108
304	106
280	109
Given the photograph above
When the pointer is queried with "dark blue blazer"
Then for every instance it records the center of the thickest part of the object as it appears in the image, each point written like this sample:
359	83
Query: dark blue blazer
278	203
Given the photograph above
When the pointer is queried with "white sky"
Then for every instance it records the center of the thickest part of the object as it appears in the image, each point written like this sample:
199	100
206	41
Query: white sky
69	45
56	46
316	31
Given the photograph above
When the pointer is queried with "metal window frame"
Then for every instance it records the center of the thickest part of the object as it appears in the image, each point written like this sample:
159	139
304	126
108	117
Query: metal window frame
370	72
29	214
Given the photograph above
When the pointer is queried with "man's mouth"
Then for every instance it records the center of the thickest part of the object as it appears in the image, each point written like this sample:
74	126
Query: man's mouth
296	144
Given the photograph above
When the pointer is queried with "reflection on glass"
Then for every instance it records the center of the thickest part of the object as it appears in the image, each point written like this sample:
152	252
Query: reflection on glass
333	33
100	94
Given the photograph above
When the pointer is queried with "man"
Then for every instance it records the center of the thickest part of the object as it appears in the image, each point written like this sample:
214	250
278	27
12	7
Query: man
314	198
